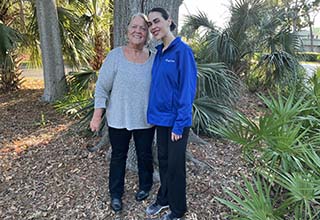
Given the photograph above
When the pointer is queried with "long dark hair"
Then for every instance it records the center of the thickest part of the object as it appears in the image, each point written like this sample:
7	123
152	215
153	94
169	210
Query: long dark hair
165	14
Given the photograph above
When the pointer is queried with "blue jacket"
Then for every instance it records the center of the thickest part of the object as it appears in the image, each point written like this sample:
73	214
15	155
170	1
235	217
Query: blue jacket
173	87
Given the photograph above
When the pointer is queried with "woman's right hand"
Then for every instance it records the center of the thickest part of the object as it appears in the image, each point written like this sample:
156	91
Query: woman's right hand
95	124
96	120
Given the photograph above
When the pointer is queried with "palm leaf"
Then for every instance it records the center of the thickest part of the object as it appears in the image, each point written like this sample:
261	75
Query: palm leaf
255	202
9	39
193	23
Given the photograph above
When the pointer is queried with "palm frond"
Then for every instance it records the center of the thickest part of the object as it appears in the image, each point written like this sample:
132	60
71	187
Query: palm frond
9	39
245	14
207	112
194	23
83	80
278	67
217	82
303	193
255	203
77	52
224	47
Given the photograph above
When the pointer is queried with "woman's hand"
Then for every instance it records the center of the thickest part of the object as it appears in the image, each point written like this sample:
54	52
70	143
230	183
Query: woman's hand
96	120
175	137
95	124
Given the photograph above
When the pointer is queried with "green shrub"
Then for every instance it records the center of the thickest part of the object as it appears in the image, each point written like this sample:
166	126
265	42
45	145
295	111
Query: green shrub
283	145
310	56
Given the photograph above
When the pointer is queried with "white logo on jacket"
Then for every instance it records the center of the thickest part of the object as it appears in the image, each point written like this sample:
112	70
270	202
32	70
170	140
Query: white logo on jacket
170	61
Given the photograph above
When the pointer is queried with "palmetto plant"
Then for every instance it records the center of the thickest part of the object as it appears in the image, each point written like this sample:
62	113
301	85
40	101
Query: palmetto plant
284	145
303	194
10	78
217	89
254	202
311	157
276	135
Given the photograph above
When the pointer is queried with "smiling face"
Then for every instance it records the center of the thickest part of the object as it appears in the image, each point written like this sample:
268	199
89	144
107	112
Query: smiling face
137	31
158	26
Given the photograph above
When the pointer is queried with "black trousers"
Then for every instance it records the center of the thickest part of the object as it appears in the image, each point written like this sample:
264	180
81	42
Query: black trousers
172	168
120	139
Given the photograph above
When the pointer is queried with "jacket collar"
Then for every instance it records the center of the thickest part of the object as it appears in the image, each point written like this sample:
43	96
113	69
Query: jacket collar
172	44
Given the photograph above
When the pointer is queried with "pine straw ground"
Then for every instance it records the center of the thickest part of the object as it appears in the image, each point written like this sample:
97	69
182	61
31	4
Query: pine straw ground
47	173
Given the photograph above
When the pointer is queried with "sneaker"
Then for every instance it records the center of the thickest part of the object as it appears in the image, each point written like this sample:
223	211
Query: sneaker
155	208
141	195
116	204
170	216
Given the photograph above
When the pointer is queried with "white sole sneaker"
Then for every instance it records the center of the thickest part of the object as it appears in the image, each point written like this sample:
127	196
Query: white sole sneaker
153	212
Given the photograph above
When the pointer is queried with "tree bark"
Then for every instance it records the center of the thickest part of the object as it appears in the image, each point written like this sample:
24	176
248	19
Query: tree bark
51	51
311	36
124	9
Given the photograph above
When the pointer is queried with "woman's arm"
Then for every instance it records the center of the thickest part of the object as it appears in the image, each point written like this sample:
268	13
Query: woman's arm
186	91
103	88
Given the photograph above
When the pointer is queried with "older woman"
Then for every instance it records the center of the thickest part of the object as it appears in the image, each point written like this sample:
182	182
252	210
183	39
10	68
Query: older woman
124	82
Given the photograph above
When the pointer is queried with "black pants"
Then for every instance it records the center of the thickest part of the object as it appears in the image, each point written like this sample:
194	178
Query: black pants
172	168
120	139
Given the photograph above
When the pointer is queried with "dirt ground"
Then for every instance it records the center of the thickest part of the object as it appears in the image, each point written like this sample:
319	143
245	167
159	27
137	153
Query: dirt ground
46	171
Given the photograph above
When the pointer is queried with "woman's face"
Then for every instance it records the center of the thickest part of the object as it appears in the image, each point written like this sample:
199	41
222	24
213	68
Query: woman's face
137	31
158	26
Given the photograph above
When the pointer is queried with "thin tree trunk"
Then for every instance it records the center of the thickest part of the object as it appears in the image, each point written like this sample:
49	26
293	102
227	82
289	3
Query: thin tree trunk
51	51
311	36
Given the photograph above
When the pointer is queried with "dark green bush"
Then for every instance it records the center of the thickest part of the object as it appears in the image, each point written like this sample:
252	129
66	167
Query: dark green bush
310	56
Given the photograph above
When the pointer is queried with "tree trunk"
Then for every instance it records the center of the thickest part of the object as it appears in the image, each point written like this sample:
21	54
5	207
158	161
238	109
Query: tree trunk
295	16
311	36
124	9
51	51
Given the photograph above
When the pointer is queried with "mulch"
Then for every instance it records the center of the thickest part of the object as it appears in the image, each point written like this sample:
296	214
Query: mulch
46	171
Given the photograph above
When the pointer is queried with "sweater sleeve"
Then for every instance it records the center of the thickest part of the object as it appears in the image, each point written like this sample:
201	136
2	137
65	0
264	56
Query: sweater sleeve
105	81
186	91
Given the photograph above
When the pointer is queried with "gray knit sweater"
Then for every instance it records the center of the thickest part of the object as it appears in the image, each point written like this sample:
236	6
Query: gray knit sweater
124	86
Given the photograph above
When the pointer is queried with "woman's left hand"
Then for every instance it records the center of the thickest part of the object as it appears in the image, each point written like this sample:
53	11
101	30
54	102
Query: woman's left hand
175	137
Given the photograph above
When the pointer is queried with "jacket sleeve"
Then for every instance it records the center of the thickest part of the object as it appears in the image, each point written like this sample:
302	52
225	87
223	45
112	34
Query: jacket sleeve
105	81
186	91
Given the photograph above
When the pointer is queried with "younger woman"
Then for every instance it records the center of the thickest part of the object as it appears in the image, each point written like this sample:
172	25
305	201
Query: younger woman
172	91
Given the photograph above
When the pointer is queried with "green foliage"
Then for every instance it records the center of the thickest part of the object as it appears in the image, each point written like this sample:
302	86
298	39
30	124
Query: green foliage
217	90
254	81
42	122
208	112
82	81
255	27
310	56
275	135
10	40
254	203
283	145
303	194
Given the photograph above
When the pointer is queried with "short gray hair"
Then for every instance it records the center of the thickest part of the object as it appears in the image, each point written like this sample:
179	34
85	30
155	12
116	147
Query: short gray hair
145	19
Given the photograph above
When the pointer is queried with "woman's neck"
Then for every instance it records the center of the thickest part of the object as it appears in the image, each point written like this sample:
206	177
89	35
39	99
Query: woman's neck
167	40
135	48
136	54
